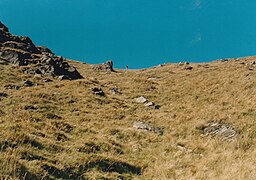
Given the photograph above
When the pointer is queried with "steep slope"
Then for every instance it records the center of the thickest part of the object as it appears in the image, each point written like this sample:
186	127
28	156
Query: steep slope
65	129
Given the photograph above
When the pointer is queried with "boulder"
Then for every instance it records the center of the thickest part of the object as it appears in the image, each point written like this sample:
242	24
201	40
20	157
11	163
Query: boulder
141	99
58	67
106	66
97	91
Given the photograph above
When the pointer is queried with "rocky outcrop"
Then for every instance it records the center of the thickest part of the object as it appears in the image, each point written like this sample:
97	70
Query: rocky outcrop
21	51
15	57
3	27
106	66
56	66
219	129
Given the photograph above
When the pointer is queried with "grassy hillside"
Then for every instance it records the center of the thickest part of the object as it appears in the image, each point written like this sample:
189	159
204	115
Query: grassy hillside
61	129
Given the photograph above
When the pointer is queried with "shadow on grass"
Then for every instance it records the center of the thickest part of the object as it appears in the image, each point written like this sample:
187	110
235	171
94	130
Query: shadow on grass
104	165
20	172
107	165
15	143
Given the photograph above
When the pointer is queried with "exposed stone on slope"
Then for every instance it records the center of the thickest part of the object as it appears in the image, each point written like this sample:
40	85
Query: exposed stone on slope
218	129
15	57
149	104
44	50
152	78
25	45
3	27
115	90
147	127
183	63
188	68
27	83
56	66
106	66
20	51
152	105
97	91
141	99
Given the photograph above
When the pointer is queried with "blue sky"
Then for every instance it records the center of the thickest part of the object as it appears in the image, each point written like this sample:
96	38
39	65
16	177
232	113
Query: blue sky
138	33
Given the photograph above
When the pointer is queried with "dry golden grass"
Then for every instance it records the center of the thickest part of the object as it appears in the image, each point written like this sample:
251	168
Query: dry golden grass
60	129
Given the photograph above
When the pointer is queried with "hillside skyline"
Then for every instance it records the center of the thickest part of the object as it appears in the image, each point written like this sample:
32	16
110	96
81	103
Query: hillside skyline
138	34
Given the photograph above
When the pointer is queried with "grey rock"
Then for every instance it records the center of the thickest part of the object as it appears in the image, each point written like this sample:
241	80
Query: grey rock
149	104
218	129
16	58
107	66
183	63
56	66
152	105
27	83
152	78
97	91
188	68
147	127
229	59
115	90
141	99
